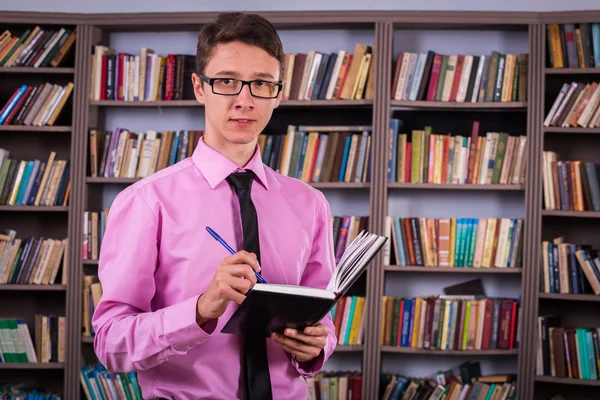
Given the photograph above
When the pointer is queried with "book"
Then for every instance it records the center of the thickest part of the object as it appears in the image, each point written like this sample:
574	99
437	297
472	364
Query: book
274	307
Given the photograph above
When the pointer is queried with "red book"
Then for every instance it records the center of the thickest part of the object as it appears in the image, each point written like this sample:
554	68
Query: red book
460	61
435	74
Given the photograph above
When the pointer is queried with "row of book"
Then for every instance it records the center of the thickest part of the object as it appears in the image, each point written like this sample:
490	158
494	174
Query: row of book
36	47
570	185
423	156
145	77
345	229
123	153
35	260
454	242
569	268
99	383
348	320
576	105
317	75
431	76
567	352
469	385
92	292
36	105
335	385
34	182
18	346
573	45
450	322
21	391
94	226
320	153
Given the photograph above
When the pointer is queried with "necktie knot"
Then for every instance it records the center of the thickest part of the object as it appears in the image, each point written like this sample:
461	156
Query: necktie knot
241	180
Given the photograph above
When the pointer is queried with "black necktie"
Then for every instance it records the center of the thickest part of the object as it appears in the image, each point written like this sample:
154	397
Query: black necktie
257	382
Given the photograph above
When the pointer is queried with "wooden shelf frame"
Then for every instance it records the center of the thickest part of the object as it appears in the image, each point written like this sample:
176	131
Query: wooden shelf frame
383	24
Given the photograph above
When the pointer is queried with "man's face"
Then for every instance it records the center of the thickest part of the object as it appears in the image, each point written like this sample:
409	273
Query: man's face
241	118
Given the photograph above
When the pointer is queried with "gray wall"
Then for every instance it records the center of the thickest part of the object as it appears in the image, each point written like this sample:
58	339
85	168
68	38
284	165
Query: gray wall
129	6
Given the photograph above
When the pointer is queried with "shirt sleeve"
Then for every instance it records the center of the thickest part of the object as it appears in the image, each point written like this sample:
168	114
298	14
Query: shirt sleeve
317	273
129	334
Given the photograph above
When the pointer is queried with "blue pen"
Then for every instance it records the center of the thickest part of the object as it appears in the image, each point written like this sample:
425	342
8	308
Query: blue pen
228	247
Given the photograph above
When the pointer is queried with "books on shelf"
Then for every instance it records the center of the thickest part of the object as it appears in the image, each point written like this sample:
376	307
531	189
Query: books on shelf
34	182
36	47
99	383
92	292
140	77
565	351
94	226
464	381
348	320
423	156
345	229
450	322
576	105
35	260
315	153
461	78
573	45
11	391
335	385
19	347
123	153
36	105
454	242
569	268
570	185
318	75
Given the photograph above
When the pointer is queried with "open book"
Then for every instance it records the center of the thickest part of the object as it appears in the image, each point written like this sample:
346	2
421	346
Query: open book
272	307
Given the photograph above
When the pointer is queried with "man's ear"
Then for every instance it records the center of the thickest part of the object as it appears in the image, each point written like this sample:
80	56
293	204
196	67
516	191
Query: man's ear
198	88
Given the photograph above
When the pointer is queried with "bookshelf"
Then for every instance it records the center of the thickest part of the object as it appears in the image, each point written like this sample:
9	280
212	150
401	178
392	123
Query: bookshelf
567	307
27	141
390	33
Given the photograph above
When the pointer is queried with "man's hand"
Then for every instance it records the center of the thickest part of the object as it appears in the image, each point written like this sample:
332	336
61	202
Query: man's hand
231	281
304	346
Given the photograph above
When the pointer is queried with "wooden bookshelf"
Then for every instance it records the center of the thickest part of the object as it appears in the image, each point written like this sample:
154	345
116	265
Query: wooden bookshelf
452	186
437	352
569	297
575	142
36	70
591	131
460	106
30	366
87	339
34	208
26	128
71	140
451	270
573	214
32	288
567	381
572	71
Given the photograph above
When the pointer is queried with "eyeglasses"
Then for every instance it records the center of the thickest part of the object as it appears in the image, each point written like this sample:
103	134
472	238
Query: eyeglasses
232	87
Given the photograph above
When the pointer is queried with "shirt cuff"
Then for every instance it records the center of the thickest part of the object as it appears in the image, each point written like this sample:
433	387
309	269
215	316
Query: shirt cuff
180	328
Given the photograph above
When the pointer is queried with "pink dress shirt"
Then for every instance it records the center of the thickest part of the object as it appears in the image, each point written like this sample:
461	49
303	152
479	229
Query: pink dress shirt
157	258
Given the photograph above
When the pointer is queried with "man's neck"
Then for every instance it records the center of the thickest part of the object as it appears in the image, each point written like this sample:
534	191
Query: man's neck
240	154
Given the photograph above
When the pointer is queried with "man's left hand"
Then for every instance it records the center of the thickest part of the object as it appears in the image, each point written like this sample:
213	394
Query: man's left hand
305	345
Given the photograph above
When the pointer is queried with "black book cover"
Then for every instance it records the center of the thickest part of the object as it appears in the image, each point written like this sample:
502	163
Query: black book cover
271	308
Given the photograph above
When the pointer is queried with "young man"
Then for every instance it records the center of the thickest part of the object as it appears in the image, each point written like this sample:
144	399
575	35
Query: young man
169	287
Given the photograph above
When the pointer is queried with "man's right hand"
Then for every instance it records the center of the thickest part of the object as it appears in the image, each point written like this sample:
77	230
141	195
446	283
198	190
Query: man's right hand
231	281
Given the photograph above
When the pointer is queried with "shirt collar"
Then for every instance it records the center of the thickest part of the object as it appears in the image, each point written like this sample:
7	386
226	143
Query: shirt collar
216	167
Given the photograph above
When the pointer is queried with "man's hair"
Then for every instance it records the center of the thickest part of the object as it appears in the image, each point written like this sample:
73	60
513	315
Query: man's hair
251	29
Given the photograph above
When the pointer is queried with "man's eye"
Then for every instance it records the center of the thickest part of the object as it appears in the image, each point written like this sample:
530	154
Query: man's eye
226	81
260	83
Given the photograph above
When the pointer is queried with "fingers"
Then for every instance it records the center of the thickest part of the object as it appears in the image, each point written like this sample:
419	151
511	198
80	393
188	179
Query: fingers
298	347
311	340
317	330
241	271
243	257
